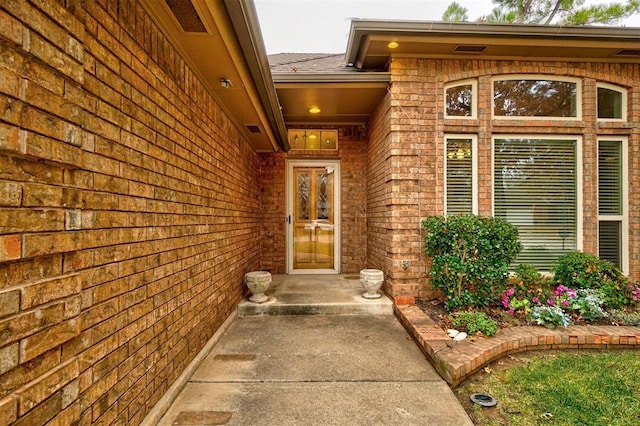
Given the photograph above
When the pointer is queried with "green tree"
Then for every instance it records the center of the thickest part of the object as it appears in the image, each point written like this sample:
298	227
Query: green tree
455	13
550	12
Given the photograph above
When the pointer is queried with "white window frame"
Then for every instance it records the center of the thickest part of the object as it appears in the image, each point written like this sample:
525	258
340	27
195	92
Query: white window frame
474	169
474	99
579	174
575	80
615	88
624	217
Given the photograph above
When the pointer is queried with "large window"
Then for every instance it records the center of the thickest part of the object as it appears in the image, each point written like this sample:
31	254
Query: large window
523	96
612	217
612	102
460	171
460	99
536	188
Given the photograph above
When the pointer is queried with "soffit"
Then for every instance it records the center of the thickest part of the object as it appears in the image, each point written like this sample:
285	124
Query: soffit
343	95
368	42
226	49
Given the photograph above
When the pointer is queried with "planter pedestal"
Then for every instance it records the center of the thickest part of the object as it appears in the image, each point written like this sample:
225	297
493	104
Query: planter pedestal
371	280
258	282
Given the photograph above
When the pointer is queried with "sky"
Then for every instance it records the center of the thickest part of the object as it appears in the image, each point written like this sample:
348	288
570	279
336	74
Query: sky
322	26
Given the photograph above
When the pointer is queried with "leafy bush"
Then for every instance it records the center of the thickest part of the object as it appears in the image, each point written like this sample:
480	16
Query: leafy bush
587	271
552	316
527	288
624	318
470	257
475	322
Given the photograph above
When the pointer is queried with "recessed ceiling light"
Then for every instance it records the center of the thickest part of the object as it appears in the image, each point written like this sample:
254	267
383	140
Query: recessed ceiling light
314	110
393	45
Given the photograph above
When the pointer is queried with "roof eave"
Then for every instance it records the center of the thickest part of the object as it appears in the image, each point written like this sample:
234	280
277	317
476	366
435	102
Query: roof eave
245	22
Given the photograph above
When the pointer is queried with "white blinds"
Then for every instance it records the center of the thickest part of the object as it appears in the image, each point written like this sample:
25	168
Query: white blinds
459	177
535	189
610	201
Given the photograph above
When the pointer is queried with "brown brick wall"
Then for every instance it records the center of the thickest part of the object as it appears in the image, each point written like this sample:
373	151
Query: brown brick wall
129	212
352	156
406	146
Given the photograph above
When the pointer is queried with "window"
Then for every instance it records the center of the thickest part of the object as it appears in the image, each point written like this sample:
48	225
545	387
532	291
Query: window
460	175
533	97
536	188
612	102
612	218
460	99
313	140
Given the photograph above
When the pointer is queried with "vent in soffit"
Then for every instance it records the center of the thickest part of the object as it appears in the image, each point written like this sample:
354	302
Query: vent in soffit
253	128
469	48
629	53
186	15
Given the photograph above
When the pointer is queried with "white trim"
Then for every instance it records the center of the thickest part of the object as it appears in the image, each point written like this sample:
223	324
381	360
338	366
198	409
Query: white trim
337	234
624	217
474	169
548	77
474	99
615	88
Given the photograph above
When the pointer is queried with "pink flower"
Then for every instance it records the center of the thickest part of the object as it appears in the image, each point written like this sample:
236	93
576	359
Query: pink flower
550	302
535	299
565	303
511	312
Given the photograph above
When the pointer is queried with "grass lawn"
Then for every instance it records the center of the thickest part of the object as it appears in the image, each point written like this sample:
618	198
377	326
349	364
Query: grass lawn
558	388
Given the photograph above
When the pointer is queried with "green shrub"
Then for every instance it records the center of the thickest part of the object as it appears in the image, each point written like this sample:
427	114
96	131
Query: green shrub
475	322
470	256
527	276
587	271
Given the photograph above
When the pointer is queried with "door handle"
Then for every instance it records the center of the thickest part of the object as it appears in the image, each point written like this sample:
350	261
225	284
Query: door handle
288	219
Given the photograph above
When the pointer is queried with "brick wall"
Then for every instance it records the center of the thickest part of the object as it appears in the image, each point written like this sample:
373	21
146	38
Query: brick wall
406	148
129	212
352	156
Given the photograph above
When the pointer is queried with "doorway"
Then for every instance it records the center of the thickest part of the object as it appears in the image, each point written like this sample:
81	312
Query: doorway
313	217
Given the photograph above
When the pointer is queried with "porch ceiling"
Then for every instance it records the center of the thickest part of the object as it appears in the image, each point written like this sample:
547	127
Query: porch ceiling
368	48
347	99
219	41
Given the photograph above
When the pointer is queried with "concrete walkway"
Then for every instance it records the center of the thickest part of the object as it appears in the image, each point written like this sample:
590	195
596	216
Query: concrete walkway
316	370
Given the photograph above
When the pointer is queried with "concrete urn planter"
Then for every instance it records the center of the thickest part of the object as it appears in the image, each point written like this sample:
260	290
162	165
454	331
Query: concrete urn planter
258	283
371	280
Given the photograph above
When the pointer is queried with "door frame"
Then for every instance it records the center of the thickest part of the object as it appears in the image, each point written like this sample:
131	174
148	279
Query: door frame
337	258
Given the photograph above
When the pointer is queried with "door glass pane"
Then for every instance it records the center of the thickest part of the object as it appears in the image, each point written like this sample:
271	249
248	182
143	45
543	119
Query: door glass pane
304	181
323	196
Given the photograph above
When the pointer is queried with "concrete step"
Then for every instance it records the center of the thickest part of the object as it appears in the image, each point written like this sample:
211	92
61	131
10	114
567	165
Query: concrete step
317	295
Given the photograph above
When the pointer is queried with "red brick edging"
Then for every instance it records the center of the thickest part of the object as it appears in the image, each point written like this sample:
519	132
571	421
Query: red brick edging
455	361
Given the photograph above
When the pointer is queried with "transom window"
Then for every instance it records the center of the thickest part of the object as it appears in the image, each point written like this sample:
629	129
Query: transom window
460	99
528	96
536	189
313	140
612	102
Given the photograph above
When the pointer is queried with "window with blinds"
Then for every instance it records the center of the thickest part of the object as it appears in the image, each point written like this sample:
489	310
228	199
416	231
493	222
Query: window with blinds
459	172
535	189
610	201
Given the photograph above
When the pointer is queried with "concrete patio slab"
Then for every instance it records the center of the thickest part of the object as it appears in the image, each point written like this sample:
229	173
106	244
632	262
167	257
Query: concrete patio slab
316	370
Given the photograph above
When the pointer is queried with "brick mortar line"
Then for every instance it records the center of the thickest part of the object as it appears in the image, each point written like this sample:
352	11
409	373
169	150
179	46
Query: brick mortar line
473	355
